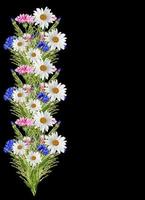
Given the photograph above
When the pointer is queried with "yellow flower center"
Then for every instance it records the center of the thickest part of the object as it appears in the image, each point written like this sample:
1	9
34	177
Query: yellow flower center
33	105
55	142
43	120
55	90
19	44
19	94
33	54
55	39
43	17
43	68
33	158
20	146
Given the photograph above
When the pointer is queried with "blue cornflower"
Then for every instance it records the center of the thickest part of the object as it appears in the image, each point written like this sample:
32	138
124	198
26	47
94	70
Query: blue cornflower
43	149
43	97
8	94
43	45
8	43
8	146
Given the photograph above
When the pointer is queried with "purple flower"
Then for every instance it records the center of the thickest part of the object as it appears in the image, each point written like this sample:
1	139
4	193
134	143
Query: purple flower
43	45
43	149
8	146
9	42
43	97
8	94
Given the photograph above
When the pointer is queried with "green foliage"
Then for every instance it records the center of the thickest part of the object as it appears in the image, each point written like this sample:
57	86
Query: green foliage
54	129
18	134
54	26
50	107
32	176
19	110
19	59
32	79
18	81
17	29
55	75
51	55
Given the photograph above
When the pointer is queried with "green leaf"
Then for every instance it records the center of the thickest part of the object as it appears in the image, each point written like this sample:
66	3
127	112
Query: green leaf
54	26
18	81
17	132
54	129
17	29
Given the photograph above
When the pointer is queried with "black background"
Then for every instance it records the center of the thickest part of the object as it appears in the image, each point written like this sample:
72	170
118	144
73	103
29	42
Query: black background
69	177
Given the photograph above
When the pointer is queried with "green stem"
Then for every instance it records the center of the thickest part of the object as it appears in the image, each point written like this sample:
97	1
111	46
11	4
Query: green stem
34	190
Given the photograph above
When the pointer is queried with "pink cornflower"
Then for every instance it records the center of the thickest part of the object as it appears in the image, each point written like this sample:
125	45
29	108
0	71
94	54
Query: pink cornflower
25	18
27	37
24	69
27	140
24	121
43	86
27	88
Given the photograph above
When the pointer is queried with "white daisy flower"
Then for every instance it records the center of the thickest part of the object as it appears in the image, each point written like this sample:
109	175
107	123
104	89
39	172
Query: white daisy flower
33	158
43	120
33	105
19	95
56	90
56	143
43	17
34	55
44	68
56	40
19	44
19	148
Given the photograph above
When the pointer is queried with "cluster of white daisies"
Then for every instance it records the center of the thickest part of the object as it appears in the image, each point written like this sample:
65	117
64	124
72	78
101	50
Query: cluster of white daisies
34	47
51	144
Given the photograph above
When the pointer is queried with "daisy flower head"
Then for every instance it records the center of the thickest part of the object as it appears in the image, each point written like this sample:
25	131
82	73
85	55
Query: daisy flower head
25	18
44	68
19	44
56	91
43	120
56	40
56	143
19	148
19	95
43	17
33	105
34	55
33	158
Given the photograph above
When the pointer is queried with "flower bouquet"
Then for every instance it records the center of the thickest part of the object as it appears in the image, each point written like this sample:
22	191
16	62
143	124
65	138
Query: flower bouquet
35	96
